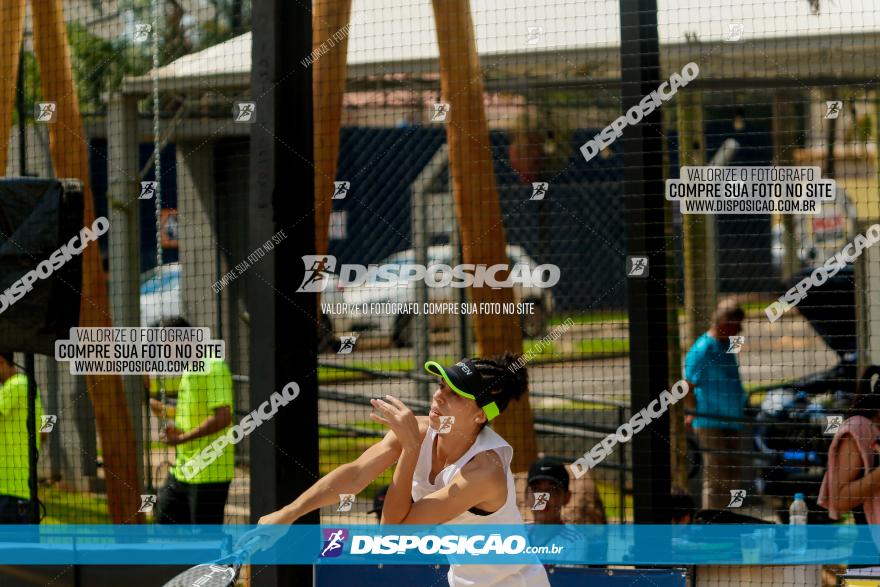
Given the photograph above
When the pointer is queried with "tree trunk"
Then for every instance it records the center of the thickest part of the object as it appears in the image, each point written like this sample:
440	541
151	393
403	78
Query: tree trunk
11	31
476	203
70	159
329	17
698	229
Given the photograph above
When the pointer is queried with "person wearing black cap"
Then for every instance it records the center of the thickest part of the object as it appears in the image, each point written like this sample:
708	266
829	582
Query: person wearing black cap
547	491
451	467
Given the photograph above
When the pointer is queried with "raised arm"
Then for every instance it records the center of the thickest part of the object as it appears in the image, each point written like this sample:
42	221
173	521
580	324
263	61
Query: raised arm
482	481
351	478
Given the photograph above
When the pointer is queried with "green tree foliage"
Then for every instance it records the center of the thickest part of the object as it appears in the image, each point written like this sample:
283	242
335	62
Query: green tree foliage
178	36
100	64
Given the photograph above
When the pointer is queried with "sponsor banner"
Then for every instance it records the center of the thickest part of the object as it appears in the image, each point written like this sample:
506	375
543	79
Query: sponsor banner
719	544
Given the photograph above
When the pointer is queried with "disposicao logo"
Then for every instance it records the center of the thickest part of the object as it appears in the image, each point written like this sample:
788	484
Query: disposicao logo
334	540
45	269
319	267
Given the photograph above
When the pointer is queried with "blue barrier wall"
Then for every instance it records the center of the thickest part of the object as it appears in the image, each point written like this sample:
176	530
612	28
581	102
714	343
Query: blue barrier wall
384	576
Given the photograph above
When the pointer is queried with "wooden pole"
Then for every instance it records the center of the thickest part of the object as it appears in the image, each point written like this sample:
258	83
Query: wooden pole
698	229
11	31
330	20
69	150
784	144
476	203
677	430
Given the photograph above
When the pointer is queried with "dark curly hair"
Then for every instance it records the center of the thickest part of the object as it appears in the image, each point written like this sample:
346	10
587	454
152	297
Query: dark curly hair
504	377
866	401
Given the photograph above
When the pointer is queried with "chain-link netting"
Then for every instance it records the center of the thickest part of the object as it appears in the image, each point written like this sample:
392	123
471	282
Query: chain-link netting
594	247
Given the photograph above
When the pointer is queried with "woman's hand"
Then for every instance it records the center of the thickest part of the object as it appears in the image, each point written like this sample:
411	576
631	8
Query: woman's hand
272	527
173	436
400	419
157	408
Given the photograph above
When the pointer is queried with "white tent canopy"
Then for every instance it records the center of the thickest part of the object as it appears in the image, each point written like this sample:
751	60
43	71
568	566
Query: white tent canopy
400	35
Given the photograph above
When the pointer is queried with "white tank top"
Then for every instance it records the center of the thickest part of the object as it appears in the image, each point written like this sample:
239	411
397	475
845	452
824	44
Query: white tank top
479	575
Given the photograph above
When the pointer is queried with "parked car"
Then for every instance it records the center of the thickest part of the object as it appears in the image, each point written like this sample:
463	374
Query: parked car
791	421
160	294
398	327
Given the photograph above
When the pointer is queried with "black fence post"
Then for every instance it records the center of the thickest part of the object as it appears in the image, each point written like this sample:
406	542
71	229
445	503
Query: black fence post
32	431
643	197
283	323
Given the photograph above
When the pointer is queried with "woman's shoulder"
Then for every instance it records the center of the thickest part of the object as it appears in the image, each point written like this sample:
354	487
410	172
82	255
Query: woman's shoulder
485	465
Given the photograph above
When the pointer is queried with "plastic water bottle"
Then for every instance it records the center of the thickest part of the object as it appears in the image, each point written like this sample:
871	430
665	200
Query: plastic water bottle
797	521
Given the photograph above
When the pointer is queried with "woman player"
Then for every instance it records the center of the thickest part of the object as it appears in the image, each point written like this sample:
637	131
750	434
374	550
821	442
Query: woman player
852	481
451	467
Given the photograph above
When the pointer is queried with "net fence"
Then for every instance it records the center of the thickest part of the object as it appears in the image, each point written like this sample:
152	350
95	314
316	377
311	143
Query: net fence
472	200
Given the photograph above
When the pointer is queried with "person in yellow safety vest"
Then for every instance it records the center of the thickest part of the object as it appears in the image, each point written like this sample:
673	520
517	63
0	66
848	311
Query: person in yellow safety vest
14	462
197	494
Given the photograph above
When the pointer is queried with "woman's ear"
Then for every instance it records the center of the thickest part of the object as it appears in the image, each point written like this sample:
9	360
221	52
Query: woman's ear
480	418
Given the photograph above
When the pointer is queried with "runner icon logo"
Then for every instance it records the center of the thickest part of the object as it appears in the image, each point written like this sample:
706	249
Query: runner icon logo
142	32
734	32
334	540
47	423
541	501
832	109
637	266
245	112
147	503
539	190
44	112
832	424
737	497
536	33
346	500
148	189
317	267
340	189
346	345
446	423
736	343
440	111
205	579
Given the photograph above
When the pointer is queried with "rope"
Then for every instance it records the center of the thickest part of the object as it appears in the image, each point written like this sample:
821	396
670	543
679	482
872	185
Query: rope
157	175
